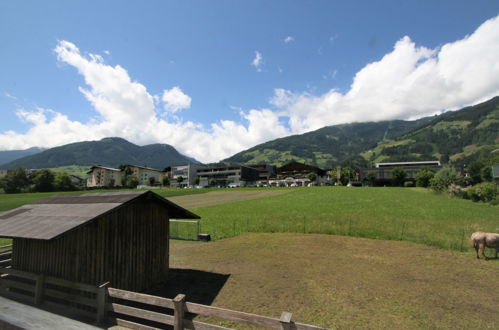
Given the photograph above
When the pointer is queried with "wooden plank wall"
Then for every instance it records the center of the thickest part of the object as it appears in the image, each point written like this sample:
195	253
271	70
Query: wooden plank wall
127	247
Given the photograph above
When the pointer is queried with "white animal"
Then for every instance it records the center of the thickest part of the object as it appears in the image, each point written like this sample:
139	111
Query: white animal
481	240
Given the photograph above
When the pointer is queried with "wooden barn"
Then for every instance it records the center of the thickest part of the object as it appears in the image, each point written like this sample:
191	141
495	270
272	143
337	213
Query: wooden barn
95	238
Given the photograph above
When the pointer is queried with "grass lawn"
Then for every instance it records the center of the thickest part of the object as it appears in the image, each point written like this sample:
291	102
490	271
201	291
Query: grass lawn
409	214
343	282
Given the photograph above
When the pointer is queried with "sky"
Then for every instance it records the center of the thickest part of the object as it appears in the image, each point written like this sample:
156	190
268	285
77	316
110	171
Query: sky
213	78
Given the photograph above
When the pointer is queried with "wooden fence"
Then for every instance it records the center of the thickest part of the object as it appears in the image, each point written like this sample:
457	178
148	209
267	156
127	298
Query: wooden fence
102	304
5	255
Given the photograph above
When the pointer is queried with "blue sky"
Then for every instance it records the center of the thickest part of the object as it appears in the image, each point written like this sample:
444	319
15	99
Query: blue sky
213	78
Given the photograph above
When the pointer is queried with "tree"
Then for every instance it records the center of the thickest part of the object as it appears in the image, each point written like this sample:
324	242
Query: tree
152	181
165	181
423	177
62	182
15	181
371	178
132	181
475	171
312	176
127	172
444	178
486	173
43	180
196	180
180	179
398	176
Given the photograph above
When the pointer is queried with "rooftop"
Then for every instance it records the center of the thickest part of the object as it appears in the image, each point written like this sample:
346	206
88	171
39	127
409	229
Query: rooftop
55	215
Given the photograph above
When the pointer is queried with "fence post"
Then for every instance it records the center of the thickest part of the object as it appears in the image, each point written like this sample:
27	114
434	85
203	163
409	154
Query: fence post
285	320
179	310
40	279
102	294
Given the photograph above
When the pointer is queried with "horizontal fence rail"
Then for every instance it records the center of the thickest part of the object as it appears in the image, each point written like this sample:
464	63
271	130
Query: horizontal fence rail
5	256
184	229
126	308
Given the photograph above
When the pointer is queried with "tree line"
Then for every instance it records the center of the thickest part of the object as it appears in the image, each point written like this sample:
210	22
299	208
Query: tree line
44	180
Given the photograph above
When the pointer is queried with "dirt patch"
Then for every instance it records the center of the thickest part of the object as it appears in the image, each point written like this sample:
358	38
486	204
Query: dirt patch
345	282
222	197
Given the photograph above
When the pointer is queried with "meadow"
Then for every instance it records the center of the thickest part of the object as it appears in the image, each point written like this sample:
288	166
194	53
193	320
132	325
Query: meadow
407	214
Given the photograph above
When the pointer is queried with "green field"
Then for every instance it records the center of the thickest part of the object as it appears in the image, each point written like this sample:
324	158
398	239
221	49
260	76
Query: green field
409	214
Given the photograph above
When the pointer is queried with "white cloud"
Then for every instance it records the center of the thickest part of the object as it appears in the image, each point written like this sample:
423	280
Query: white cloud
407	83
12	97
288	39
257	61
126	109
175	100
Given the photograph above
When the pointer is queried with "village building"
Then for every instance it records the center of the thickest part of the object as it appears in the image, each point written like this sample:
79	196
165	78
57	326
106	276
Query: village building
296	174
383	171
101	176
188	172
147	176
121	238
266	171
228	176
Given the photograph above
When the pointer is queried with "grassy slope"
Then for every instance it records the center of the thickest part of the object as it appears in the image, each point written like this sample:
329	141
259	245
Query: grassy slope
415	215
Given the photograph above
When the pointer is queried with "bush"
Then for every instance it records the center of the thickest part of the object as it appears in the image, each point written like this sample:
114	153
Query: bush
444	178
424	176
484	192
409	184
457	191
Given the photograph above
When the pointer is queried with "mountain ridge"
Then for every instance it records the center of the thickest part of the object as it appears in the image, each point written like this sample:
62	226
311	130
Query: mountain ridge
457	137
110	151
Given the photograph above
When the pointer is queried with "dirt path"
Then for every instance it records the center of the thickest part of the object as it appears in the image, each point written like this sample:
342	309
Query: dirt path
222	197
343	282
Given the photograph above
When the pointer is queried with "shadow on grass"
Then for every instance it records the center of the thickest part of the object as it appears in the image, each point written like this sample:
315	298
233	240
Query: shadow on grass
198	286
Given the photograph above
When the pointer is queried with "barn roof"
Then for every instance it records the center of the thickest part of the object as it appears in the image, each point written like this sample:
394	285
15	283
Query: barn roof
55	215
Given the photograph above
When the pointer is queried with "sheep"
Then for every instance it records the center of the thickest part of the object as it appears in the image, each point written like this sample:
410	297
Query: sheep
482	240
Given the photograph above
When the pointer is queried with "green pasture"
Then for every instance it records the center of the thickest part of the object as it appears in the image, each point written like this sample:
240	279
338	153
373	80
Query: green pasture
409	214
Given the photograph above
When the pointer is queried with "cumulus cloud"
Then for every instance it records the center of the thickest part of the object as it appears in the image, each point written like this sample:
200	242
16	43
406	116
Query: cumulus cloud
408	82
257	61
126	109
288	39
175	100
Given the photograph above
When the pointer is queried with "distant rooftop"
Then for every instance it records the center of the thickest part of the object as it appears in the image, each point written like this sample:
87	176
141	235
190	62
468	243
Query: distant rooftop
428	162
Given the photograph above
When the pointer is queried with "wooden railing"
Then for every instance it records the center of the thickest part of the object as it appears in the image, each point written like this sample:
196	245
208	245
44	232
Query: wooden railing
125	308
5	255
65	297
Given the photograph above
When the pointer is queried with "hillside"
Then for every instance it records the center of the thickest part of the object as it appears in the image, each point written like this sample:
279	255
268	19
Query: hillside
107	152
328	146
458	137
10	155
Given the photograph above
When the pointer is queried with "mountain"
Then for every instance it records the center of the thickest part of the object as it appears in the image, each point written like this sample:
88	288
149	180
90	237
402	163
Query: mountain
458	137
106	152
328	146
10	155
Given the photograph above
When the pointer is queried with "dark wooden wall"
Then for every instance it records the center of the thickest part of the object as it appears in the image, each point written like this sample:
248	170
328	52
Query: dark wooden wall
128	247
